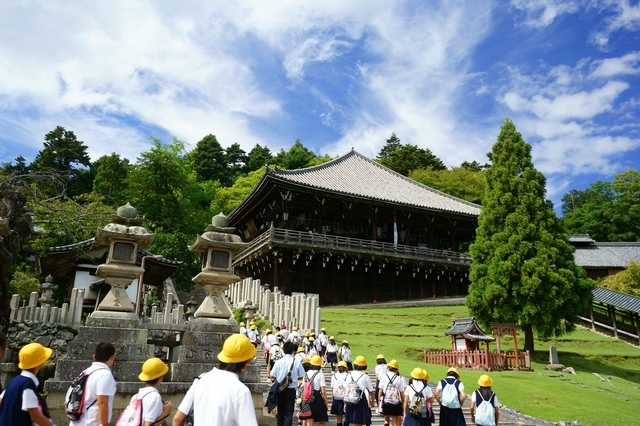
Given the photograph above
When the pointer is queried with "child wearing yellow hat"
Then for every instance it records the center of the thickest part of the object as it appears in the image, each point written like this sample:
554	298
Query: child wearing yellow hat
338	381
484	407
20	403
451	408
417	399
391	392
360	414
319	405
154	410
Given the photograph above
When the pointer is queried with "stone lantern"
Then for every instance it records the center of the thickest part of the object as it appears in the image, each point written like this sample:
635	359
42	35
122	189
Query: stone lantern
124	237
249	310
218	246
191	306
47	287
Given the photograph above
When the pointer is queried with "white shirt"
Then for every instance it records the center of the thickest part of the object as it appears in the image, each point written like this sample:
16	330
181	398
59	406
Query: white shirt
345	354
29	398
324	339
243	330
495	399
285	334
460	385
221	399
275	353
187	402
100	382
420	388
398	381
381	370
338	379
294	337
318	381
332	348
152	404
362	380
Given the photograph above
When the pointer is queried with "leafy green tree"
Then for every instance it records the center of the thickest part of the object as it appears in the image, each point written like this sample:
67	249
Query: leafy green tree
68	221
24	281
474	166
236	159
607	211
209	161
20	168
174	245
111	177
523	270
460	182
227	199
390	147
627	281
258	157
297	157
164	188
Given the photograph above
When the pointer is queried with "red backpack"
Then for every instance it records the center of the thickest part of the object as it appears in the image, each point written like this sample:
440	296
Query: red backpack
132	414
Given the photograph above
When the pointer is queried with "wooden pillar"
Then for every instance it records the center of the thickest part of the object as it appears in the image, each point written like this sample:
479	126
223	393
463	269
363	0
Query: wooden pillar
612	315
593	321
515	349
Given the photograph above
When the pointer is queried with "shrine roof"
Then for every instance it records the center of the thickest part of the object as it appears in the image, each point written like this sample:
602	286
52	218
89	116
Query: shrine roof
469	329
355	175
606	255
617	299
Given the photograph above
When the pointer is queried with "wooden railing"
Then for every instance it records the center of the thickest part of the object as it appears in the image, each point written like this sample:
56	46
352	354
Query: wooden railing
488	360
355	245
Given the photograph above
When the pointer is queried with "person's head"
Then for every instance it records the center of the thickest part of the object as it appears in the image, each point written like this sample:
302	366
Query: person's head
453	372
295	328
33	356
323	330
345	343
316	362
267	331
393	366
3	344
153	371
312	339
299	350
242	324
342	366
290	348
237	352
306	363
360	363
417	374
485	381
332	340
105	353
380	359
253	327
277	329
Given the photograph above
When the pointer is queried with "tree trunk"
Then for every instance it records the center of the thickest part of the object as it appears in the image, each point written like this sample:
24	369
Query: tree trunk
528	338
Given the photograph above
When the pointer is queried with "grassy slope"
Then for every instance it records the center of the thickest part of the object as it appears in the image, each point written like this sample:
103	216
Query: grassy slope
403	333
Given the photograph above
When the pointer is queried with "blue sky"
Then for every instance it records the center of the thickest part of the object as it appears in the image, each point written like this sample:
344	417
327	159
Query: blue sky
334	74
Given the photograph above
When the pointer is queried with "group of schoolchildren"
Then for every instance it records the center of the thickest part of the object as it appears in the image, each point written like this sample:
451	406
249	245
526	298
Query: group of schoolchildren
218	397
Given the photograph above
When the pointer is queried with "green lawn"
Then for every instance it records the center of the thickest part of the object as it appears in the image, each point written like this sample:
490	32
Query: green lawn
403	333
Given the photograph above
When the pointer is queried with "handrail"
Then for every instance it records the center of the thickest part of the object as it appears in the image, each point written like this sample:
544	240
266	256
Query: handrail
318	240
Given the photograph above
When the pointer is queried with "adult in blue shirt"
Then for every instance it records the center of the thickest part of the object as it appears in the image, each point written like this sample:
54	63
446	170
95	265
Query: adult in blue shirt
287	399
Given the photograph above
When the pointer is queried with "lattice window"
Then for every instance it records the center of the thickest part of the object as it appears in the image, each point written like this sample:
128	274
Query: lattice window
219	259
123	251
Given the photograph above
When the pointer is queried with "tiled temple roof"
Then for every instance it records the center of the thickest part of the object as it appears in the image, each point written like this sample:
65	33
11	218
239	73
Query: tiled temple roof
469	329
607	255
617	299
356	175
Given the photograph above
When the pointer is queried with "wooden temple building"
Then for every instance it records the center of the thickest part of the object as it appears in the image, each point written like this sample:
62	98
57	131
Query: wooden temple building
354	231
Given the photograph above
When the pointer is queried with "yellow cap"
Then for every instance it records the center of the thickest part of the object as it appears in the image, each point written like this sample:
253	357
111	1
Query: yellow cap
252	322
393	364
344	342
295	328
360	361
417	373
237	348
332	338
426	375
306	360
323	329
343	364
152	369
380	356
300	349
316	360
308	333
311	339
267	331
485	381
242	324
33	355
454	370
253	327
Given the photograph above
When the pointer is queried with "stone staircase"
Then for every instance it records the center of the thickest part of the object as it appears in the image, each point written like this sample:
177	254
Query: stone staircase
508	417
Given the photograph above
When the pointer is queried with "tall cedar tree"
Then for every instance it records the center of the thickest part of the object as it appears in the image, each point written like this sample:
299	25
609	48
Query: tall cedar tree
523	270
209	161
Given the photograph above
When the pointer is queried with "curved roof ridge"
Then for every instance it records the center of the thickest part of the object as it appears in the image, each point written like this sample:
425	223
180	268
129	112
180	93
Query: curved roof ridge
304	176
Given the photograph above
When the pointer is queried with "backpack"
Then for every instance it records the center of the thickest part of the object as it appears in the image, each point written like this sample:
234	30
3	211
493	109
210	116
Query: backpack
417	406
277	354
450	393
338	391
132	414
352	393
391	392
485	411
307	396
74	400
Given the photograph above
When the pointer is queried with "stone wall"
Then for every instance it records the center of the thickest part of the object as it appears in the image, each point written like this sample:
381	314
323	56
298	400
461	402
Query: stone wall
51	335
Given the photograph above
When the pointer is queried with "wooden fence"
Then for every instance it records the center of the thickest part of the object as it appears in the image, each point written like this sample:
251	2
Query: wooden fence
488	360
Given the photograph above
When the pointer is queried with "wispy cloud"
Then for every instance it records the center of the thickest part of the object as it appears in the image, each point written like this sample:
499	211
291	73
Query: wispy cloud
621	15
540	13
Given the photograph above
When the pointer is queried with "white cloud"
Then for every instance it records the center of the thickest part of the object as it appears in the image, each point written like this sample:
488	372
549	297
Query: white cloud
625	16
541	13
610	67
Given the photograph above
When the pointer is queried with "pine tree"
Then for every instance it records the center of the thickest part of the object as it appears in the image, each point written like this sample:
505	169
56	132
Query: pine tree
523	270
